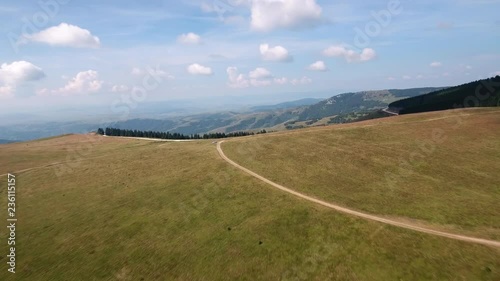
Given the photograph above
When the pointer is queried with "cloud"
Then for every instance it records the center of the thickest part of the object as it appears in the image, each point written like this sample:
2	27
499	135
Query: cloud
189	39
257	78
318	66
436	64
277	53
236	79
84	82
260	73
119	88
281	81
390	78
16	73
160	73
494	74
20	71
406	77
267	15
197	69
66	35
350	56
137	71
302	81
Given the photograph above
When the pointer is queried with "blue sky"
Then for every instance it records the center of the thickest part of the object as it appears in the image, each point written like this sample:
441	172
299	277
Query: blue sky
69	53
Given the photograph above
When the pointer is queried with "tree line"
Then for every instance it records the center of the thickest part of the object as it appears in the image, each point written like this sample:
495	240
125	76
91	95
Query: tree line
171	136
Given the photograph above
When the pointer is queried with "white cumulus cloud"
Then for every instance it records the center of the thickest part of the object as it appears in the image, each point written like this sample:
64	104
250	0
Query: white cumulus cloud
189	39
267	15
277	53
350	56
260	73
66	35
318	66
20	71
258	77
236	79
16	73
198	69
137	71
84	82
281	81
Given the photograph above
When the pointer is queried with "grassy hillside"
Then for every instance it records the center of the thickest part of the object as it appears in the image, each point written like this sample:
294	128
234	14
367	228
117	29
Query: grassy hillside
440	168
121	209
481	93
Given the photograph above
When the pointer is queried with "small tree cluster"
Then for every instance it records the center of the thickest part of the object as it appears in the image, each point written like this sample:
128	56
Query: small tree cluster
170	136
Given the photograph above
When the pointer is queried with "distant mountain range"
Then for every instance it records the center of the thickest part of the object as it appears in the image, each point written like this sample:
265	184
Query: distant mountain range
287	105
348	107
288	115
295	114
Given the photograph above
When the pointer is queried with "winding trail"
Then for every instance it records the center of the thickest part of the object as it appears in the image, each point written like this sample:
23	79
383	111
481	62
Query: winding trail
338	208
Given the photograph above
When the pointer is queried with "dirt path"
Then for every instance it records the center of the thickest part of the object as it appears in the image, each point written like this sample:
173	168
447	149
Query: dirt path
357	213
386	110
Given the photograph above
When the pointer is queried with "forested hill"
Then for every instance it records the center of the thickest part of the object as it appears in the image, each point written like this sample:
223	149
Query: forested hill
481	93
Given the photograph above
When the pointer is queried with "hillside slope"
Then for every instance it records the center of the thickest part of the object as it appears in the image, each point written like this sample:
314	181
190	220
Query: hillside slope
120	209
438	168
481	93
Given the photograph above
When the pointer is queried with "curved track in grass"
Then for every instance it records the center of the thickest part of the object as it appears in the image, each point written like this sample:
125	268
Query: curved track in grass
341	209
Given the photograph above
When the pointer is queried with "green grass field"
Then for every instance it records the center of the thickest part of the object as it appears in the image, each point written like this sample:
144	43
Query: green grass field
440	168
120	209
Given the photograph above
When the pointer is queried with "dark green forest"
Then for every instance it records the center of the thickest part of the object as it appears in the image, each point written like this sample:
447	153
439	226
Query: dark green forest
481	93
